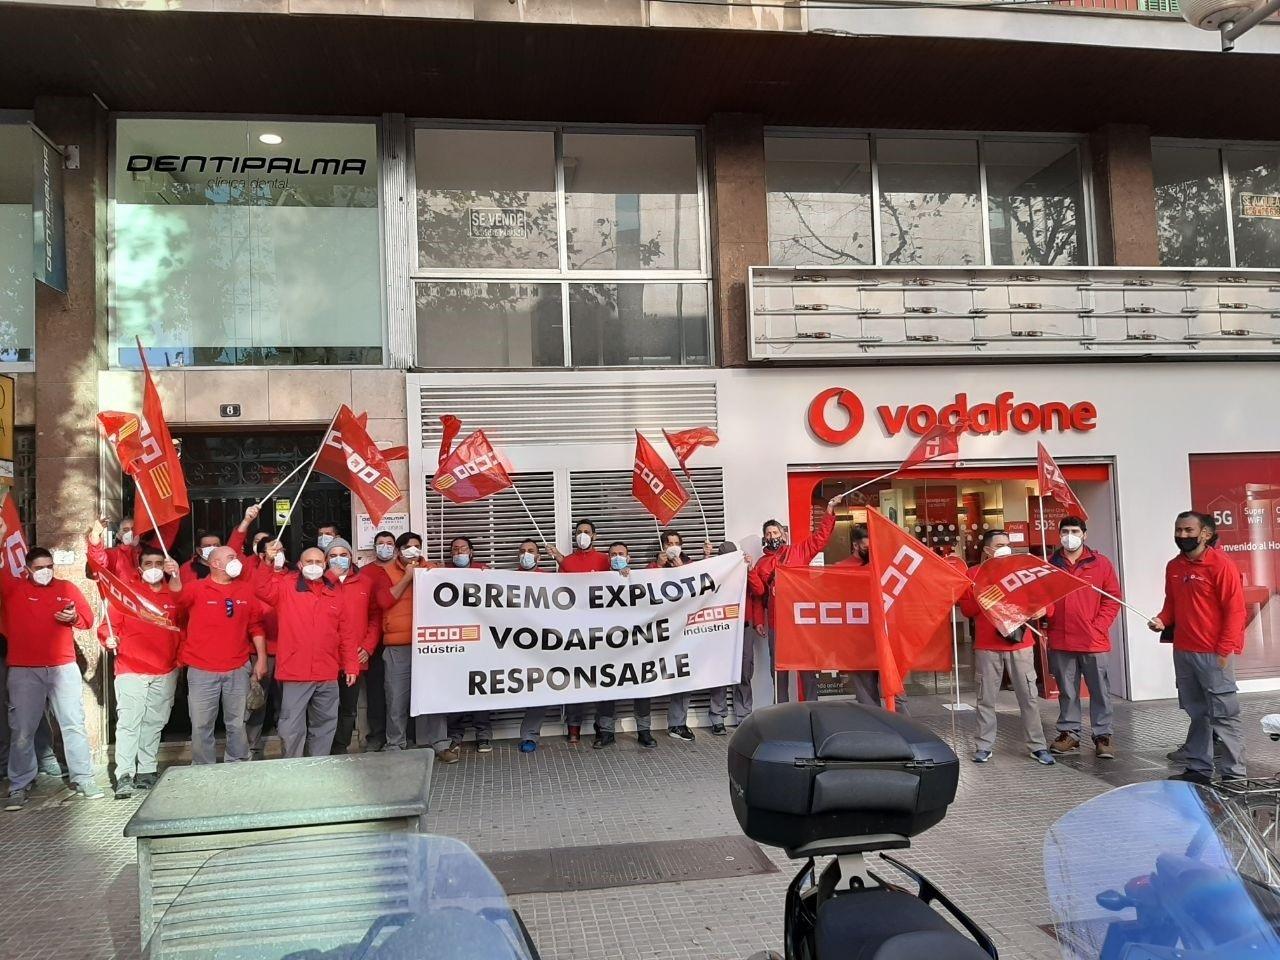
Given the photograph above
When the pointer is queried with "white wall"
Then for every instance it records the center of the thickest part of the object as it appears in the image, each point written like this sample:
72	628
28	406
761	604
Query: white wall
1150	417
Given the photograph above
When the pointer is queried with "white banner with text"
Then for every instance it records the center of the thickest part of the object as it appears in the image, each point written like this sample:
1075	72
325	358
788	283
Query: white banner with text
499	639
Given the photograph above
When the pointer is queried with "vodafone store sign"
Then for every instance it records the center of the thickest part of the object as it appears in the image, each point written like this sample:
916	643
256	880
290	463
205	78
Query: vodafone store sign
837	415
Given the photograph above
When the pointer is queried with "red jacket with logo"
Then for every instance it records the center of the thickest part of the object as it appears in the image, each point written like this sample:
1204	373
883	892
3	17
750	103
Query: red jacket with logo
760	579
1204	603
141	647
215	641
1081	621
315	642
35	638
585	561
987	637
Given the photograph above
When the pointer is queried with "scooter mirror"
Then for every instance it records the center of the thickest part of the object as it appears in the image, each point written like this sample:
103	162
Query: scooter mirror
1113	900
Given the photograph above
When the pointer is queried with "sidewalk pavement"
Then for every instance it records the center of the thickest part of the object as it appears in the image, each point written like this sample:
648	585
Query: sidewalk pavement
71	878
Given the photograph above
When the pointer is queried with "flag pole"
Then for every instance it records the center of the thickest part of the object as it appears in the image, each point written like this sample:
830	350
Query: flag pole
1128	607
292	474
538	530
883	476
706	529
307	476
137	489
1044	527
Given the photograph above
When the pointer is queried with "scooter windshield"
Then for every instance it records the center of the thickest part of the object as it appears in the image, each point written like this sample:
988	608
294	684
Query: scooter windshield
372	896
1158	871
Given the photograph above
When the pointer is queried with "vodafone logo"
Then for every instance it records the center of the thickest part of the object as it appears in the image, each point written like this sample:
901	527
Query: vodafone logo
1002	415
846	400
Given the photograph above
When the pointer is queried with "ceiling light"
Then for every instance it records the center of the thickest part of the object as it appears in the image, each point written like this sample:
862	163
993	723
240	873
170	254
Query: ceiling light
270	138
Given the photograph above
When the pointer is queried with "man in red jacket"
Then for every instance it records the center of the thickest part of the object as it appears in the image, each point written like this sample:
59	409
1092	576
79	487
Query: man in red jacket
1204	604
584	559
197	568
223	646
358	589
146	667
1079	640
993	655
778	553
672	555
462	554
314	648
39	613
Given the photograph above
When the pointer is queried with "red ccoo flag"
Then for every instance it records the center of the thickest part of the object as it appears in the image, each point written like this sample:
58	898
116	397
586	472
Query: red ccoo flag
472	472
941	441
1014	589
917	589
1053	483
350	456
128	600
684	442
13	552
653	483
828	618
449	427
146	452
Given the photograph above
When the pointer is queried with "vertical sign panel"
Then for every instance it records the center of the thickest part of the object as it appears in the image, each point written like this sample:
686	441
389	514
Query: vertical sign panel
6	431
46	209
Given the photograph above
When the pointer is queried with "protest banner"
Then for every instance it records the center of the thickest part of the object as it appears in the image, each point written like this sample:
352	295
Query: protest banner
496	639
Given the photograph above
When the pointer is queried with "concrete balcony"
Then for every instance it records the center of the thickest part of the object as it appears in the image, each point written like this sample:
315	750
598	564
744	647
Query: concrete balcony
911	314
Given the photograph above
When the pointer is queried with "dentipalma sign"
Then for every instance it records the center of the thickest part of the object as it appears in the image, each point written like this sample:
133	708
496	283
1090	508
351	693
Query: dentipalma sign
1004	414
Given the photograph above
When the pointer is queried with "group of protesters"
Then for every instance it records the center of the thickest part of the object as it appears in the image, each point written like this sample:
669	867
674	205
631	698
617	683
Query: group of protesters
261	633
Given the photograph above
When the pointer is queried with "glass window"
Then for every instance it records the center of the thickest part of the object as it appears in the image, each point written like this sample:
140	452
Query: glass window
1191	214
246	242
638	324
487	198
929	209
631	202
1035	208
477	324
17	245
819	200
1255	205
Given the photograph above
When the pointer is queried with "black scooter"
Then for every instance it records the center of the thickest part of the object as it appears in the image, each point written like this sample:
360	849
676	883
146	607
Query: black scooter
840	780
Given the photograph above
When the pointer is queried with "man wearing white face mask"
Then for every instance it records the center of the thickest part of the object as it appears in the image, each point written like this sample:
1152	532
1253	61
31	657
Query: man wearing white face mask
224	645
531	726
39	614
314	652
462	554
672	556
1080	638
146	668
197	568
358	592
993	654
378	571
583	559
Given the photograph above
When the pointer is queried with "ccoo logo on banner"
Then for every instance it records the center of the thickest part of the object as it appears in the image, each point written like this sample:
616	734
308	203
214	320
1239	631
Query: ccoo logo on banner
496	639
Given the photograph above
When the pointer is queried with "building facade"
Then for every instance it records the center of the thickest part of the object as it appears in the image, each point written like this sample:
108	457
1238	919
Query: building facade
815	227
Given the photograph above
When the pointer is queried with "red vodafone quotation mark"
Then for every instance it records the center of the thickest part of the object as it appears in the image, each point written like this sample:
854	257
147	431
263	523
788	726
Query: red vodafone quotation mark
818	415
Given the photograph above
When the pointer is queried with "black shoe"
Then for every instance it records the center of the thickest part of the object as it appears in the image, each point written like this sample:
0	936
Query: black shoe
124	787
373	746
484	745
646	739
603	739
718	730
1190	776
145	781
681	733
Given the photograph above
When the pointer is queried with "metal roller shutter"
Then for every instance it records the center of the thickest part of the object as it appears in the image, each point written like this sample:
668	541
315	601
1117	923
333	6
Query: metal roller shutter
495	525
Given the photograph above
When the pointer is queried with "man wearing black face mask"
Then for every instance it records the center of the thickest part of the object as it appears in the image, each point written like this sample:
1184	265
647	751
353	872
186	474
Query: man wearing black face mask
1204	604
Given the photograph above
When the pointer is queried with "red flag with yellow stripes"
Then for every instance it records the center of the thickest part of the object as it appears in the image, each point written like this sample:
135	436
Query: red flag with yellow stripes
653	483
351	457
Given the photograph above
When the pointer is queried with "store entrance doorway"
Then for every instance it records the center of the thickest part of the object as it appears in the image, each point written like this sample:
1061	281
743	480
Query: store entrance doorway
948	509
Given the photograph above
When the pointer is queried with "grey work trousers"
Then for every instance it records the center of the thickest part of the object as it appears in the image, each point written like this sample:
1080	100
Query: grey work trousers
1067	669
398	682
531	725
989	671
866	690
31	690
457	724
308	716
46	759
742	695
254	720
575	713
206	691
678	709
143	704
1207	692
641	708
782	681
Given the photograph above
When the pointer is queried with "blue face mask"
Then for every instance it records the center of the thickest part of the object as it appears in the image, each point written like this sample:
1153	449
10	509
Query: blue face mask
340	564
462	559
618	562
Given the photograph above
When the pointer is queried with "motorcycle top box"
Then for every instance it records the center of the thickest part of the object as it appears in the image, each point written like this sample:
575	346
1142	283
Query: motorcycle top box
801	774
